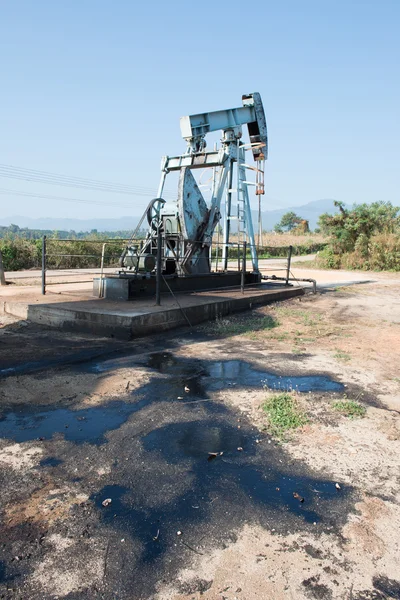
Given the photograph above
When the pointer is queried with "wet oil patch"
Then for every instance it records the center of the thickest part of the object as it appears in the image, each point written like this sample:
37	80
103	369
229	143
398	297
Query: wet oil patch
185	380
389	587
316	590
52	461
238	372
3	577
243	483
32	366
384	589
197	439
79	426
164	482
224	373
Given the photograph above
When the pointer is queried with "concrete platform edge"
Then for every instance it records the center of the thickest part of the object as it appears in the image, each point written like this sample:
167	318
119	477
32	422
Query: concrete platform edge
128	327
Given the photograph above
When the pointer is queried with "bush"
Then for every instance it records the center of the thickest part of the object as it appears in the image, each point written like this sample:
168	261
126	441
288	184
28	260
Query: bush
367	238
327	259
20	254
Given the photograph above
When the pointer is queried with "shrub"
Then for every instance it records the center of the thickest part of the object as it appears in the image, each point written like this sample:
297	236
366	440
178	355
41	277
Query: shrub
20	254
367	237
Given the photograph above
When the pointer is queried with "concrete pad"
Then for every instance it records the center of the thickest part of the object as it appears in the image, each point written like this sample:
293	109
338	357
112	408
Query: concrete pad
126	320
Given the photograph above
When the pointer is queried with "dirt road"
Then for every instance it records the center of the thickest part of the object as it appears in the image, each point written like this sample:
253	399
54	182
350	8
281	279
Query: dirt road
148	470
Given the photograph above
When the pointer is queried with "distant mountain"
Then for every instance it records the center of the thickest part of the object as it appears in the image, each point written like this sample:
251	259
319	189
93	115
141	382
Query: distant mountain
61	224
310	211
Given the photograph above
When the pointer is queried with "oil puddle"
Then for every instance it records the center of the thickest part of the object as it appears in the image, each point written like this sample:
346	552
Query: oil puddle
242	466
79	426
52	461
195	498
183	381
73	358
226	373
238	372
198	441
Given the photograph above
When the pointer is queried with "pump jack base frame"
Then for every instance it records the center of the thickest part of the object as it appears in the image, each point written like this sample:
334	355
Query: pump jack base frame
128	286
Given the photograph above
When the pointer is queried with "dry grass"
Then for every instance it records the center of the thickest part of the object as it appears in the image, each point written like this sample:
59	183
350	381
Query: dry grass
277	240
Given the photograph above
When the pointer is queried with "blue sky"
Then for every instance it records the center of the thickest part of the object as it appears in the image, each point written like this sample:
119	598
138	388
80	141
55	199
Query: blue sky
95	89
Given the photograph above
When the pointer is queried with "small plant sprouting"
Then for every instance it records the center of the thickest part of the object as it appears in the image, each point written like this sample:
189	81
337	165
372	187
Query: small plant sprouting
341	355
240	325
284	413
349	408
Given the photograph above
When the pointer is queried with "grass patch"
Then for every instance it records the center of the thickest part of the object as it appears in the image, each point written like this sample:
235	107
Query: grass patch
341	355
284	414
241	325
349	408
280	337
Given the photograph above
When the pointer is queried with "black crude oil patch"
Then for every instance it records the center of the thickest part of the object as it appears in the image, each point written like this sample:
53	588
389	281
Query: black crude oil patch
384	589
52	461
187	380
220	374
317	590
79	426
169	501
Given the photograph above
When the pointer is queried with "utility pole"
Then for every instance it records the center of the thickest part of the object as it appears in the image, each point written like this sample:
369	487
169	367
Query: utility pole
2	275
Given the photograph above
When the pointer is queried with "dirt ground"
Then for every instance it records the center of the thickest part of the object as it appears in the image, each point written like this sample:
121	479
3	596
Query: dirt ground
109	489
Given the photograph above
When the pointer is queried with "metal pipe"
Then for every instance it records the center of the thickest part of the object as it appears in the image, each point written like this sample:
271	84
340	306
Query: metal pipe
158	268
44	265
275	278
227	217
243	267
289	259
101	272
161	184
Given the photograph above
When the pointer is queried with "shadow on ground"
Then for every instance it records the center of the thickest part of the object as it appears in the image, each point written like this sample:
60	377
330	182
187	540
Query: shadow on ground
184	473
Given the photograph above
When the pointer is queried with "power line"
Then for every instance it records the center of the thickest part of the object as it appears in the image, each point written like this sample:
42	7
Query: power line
46	177
62	198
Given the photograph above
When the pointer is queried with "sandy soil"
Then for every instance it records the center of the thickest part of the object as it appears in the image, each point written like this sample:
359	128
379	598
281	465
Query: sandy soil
354	334
351	334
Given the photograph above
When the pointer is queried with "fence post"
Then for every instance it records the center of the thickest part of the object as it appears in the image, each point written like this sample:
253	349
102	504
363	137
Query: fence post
101	271
243	267
158	271
289	259
44	265
2	275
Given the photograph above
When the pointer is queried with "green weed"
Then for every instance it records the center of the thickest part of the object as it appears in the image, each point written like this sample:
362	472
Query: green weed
284	414
341	355
240	325
349	408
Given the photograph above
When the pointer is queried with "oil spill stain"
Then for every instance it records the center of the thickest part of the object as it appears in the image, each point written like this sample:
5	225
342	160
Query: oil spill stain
2	572
230	490
187	379
79	426
215	375
171	486
240	373
50	462
240	461
197	440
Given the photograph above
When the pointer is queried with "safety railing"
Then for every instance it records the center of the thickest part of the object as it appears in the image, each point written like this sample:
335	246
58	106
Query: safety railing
78	258
110	250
